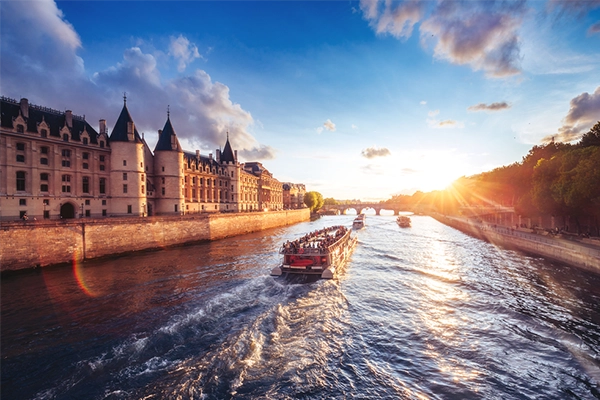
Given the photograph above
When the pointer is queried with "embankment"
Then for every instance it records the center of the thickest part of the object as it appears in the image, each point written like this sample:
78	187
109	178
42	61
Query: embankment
570	252
37	244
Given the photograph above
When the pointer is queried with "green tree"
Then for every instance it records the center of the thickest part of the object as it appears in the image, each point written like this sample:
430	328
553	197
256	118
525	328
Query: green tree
591	138
330	201
313	200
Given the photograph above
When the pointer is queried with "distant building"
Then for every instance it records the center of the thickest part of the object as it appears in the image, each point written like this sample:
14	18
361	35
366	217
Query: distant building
293	195
54	164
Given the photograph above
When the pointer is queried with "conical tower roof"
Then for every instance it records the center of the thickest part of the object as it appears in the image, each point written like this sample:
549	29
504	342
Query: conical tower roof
168	138
227	154
119	133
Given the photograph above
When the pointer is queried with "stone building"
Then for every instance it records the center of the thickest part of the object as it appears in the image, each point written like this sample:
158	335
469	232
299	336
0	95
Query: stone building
293	195
54	164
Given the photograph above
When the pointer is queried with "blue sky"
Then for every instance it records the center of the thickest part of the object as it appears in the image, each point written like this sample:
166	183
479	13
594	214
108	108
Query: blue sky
355	99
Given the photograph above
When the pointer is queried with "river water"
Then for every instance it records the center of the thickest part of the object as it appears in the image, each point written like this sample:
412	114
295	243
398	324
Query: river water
423	312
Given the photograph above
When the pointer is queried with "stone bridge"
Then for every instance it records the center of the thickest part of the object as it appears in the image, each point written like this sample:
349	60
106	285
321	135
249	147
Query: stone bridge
361	207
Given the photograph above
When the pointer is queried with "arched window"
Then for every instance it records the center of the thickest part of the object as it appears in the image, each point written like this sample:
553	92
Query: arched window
20	181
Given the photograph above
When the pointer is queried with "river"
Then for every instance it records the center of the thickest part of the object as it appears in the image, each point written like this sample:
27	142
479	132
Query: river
419	313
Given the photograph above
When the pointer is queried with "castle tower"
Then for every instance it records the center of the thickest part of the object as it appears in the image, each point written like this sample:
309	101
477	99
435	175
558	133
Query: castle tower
228	159
168	172
127	174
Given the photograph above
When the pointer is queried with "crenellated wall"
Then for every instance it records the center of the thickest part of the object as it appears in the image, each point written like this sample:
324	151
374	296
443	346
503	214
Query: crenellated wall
30	244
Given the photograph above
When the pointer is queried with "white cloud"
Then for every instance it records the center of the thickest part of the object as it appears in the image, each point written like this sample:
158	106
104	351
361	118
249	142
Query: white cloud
423	102
372	152
489	107
184	51
42	64
330	126
445	124
433	113
583	114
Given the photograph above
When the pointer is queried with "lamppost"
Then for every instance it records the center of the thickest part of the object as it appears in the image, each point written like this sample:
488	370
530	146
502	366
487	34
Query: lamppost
81	215
143	209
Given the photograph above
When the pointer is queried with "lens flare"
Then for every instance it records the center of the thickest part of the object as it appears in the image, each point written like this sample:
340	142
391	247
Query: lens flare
79	275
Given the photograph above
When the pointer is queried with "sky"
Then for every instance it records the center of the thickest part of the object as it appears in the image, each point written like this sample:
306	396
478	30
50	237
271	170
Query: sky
355	99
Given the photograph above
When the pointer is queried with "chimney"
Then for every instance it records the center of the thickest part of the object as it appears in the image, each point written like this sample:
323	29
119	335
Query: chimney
102	126
25	108
210	156
218	152
235	156
197	154
69	118
159	132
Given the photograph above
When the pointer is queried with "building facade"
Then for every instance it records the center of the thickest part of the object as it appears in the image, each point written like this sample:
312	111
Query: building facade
54	165
293	195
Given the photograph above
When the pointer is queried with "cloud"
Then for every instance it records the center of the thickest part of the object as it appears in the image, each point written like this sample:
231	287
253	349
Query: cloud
395	18
373	169
372	152
262	152
448	123
583	114
330	126
184	51
433	113
354	126
423	102
483	35
489	107
42	64
578	8
593	29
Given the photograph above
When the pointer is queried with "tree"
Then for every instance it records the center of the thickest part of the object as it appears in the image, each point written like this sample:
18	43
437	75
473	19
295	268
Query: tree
591	138
313	200
330	201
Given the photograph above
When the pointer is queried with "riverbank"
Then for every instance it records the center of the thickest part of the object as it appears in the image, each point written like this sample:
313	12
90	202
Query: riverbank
41	243
576	253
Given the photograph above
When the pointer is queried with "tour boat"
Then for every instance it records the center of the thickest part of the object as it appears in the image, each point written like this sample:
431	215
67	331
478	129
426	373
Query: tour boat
359	221
403	221
323	252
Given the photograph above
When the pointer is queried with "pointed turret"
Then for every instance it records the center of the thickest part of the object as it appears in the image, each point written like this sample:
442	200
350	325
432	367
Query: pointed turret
125	130
168	138
227	155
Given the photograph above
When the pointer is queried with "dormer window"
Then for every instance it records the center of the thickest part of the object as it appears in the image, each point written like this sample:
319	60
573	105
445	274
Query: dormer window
20	128
44	133
102	144
65	138
85	140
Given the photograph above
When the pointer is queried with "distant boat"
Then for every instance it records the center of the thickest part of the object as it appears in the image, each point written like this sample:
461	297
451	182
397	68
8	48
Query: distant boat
403	221
359	221
323	252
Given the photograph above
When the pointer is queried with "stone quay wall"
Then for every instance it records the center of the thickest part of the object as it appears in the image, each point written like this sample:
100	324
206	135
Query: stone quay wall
40	243
581	255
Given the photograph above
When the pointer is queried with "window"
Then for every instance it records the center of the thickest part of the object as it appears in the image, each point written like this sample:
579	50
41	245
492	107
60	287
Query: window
104	213
101	158
86	165
142	177
46	214
66	153
44	161
66	163
163	169
163	191
21	181
102	167
86	185
102	144
103	189
103	202
86	156
44	187
20	128
20	157
124	188
44	133
143	189
66	183
65	138
44	150
129	209
163	180
175	207
124	163
66	157
22	202
87	212
124	176
85	140
21	146
46	202
87	202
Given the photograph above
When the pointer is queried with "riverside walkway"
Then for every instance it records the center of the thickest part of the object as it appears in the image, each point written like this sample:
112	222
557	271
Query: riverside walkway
563	247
